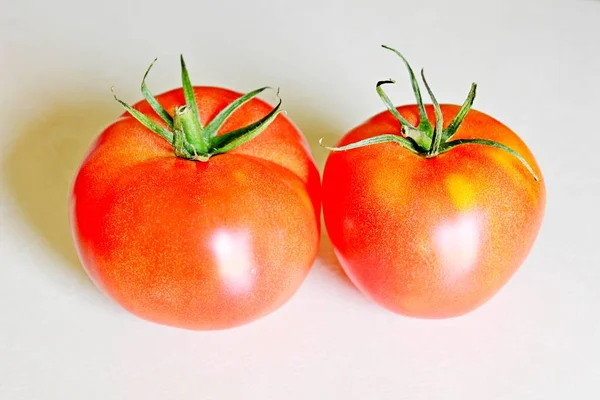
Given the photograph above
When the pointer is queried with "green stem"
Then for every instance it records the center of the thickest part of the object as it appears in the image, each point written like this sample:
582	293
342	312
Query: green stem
179	145
185	121
421	138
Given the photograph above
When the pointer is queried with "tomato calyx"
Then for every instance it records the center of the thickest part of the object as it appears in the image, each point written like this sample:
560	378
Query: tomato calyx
184	130
427	140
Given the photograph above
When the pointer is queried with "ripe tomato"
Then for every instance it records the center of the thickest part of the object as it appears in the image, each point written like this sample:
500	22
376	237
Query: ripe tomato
430	234
204	242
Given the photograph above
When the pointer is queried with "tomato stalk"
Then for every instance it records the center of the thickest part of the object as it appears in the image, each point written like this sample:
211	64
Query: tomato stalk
427	140
188	131
184	130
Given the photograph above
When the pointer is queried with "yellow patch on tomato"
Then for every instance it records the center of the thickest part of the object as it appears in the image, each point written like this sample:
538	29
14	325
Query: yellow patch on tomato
461	192
240	176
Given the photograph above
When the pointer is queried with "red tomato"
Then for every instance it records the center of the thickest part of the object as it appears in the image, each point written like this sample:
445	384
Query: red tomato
432	236
193	244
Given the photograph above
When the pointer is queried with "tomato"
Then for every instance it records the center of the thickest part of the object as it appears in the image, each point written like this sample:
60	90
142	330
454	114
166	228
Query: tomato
428	234
210	241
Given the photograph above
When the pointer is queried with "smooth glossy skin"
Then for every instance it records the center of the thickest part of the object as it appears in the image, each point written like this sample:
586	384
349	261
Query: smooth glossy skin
432	238
198	245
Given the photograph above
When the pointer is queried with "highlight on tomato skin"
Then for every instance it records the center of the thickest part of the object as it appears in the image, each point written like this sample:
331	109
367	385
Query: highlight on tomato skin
199	208
431	209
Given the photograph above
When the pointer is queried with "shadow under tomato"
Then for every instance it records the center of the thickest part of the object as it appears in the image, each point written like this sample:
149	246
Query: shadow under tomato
42	162
330	263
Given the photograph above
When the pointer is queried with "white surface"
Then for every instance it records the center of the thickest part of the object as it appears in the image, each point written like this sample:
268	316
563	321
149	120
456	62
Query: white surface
537	64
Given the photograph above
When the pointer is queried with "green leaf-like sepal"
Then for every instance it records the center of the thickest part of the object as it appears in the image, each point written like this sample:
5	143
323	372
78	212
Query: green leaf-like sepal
196	136
424	123
190	140
421	138
231	140
388	138
490	143
152	100
213	127
462	113
144	120
389	105
439	120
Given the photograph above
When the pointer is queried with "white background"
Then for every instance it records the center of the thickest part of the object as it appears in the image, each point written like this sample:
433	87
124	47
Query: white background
537	64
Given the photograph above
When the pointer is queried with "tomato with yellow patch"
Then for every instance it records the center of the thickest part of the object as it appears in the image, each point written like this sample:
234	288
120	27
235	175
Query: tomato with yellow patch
432	230
432	237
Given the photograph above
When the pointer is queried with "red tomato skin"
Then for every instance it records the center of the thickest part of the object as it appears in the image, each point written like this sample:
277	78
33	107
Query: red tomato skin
198	245
437	237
